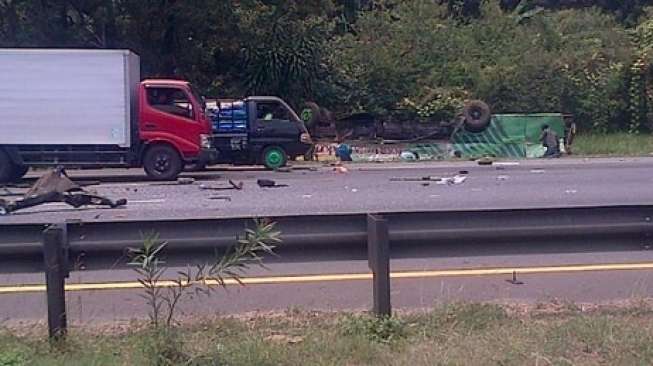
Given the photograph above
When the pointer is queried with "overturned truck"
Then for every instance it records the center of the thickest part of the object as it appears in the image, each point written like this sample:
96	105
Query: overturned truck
475	132
323	126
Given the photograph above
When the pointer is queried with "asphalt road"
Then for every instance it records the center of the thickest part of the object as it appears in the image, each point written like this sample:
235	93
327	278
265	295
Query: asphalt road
364	188
556	277
476	272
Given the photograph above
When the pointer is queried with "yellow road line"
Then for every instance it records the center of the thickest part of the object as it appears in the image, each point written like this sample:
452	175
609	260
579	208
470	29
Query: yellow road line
346	277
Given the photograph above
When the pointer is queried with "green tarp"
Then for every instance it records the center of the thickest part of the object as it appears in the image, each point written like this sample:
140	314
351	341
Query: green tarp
513	136
508	135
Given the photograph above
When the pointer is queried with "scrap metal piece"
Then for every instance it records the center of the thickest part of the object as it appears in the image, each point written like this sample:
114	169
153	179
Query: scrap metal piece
53	181
418	179
221	198
456	179
269	183
55	186
232	185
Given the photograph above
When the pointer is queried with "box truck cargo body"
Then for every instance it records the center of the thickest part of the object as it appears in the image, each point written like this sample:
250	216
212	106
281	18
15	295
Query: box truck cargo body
90	108
47	98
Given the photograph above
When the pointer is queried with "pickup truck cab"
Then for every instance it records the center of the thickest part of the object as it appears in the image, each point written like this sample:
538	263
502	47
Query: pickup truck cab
257	130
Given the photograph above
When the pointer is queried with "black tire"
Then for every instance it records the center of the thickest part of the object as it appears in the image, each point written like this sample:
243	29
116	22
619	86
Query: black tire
162	162
7	168
274	157
477	116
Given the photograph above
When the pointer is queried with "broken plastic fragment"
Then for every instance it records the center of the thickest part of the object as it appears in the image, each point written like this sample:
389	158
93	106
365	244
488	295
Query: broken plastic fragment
408	156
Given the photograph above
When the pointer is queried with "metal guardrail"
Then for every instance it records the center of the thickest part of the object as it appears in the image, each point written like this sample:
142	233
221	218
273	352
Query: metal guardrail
58	241
542	225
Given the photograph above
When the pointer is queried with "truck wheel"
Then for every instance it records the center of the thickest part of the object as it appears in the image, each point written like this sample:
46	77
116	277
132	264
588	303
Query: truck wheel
477	116
162	162
274	157
7	168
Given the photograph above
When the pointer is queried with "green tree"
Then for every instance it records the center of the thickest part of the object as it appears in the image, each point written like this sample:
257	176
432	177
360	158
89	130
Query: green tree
282	51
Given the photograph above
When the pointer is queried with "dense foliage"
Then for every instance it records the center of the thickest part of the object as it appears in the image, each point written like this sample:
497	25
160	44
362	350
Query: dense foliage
589	58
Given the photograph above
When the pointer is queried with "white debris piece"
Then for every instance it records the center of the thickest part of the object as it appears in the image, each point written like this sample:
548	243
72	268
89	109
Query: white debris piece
456	179
408	156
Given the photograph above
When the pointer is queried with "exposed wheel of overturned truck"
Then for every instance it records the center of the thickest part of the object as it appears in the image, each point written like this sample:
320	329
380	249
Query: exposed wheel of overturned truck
162	162
477	116
274	157
314	114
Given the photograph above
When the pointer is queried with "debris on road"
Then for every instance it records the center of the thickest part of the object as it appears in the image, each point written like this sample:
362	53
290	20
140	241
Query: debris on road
486	160
502	177
8	193
413	179
222	198
185	181
343	152
232	185
309	168
456	179
269	183
340	169
408	156
284	169
56	186
507	163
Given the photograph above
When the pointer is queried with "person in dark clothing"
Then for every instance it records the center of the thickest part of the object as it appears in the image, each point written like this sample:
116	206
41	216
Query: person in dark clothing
549	139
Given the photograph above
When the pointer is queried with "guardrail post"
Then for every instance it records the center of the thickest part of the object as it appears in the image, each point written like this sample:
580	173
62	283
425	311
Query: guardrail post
55	248
378	253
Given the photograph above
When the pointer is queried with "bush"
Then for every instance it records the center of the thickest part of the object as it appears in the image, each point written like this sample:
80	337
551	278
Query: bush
383	329
572	61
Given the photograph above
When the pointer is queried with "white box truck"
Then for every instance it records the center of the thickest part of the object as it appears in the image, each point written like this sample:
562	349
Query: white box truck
89	108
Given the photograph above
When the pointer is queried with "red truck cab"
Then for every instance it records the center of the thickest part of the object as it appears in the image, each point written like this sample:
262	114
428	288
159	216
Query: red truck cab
173	129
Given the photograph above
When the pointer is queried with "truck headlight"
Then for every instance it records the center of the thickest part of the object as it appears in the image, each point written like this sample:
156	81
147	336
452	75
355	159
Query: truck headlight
205	141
